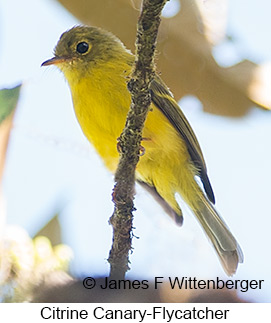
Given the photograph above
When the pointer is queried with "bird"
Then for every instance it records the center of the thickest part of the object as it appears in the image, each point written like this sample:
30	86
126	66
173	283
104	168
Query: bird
97	66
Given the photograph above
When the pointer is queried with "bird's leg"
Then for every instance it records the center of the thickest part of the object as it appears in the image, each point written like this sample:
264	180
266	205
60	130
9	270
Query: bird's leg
141	148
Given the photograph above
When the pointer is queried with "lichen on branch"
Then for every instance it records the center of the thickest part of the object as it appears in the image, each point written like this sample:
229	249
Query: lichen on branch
130	139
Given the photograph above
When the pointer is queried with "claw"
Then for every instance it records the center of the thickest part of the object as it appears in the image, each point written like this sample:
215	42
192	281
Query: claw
119	146
141	151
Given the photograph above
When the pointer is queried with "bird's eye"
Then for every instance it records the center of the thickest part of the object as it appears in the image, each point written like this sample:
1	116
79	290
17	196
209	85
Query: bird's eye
82	47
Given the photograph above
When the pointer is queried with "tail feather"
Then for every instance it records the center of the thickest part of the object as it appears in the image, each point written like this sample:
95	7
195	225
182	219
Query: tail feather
226	246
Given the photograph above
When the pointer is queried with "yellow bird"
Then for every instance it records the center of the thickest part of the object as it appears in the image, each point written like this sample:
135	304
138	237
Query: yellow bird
97	65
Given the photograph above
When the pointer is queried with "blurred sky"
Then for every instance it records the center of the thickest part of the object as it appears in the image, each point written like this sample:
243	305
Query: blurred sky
51	167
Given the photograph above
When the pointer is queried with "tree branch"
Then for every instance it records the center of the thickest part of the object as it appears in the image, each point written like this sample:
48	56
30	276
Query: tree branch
130	139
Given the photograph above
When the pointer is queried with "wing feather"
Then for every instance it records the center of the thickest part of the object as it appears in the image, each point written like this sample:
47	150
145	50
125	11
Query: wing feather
163	100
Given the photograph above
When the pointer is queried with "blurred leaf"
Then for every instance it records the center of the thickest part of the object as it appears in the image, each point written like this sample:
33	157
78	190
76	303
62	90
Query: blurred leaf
8	102
214	16
26	264
185	52
52	231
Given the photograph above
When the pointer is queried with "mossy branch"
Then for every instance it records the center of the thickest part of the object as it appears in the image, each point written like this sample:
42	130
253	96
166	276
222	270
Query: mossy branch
130	139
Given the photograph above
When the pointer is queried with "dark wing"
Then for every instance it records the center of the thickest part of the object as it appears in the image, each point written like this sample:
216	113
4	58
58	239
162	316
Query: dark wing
163	99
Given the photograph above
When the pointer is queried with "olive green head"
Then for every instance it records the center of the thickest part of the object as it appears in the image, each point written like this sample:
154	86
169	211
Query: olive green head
84	45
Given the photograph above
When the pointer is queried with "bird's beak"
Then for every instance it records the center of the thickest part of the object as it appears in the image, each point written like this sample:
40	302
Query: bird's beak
56	60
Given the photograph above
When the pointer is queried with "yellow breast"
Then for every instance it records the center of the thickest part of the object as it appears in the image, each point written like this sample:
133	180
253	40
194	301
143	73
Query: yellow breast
101	102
